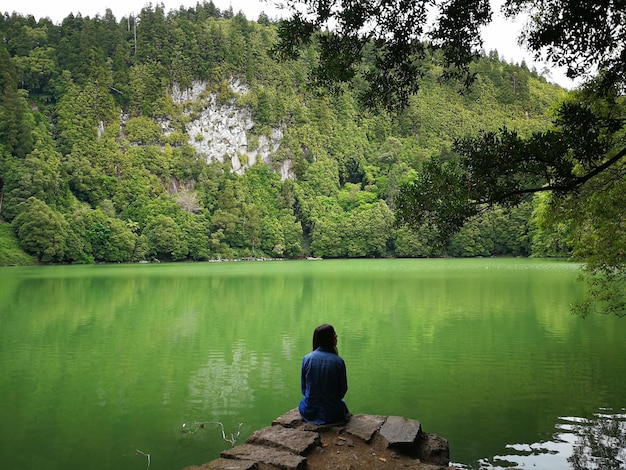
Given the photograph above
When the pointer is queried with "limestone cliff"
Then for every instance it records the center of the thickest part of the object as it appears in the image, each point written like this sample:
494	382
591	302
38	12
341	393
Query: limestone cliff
220	130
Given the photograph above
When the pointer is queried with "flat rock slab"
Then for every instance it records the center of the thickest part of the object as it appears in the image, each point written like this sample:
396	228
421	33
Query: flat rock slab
364	426
293	440
291	419
400	432
227	464
267	455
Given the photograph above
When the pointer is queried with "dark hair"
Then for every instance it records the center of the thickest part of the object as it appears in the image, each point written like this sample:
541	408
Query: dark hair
324	337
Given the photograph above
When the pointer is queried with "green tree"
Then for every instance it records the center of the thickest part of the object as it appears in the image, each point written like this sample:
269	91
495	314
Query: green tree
197	234
147	87
41	231
165	239
15	125
152	35
368	230
327	238
419	243
111	240
551	234
82	110
292	235
322	177
38	175
39	72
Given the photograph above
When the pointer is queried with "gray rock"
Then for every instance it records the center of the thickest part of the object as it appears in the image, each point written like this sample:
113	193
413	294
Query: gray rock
434	449
292	440
291	419
364	426
267	455
400	432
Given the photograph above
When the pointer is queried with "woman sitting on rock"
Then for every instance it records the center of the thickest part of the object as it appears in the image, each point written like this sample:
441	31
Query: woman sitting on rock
324	380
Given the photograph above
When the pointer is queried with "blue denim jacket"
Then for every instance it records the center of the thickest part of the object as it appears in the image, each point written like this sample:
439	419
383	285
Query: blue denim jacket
324	383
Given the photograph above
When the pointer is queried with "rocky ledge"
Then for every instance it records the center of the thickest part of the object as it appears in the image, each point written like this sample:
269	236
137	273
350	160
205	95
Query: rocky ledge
364	442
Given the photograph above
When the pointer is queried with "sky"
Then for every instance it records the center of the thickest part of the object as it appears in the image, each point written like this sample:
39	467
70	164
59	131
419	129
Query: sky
501	35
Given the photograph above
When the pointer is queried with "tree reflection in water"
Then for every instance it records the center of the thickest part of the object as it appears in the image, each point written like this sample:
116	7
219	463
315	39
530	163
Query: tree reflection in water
597	443
601	443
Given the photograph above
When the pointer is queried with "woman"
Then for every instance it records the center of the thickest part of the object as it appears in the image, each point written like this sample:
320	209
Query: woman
323	380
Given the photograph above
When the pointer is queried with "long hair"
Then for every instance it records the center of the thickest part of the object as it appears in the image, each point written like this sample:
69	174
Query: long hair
324	337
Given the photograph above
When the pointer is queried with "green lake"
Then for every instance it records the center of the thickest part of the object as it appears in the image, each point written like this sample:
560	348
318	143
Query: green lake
115	366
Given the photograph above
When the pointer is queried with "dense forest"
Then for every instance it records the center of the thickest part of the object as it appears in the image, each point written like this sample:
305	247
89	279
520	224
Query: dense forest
98	161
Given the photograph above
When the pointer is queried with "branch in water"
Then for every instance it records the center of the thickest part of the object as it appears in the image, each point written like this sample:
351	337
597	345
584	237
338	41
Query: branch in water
201	424
146	455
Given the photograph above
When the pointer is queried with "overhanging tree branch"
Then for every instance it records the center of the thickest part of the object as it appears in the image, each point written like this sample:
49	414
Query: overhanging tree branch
575	182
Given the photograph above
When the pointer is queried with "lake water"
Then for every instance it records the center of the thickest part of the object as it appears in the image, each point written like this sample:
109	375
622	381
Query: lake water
132	366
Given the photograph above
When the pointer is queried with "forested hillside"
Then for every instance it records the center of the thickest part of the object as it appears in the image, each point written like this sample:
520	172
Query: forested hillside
112	130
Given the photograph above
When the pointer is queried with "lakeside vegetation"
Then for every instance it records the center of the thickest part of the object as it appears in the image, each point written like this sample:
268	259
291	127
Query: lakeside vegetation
81	185
10	252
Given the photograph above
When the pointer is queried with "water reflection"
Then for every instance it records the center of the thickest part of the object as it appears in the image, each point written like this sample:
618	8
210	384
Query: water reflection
222	384
597	443
601	443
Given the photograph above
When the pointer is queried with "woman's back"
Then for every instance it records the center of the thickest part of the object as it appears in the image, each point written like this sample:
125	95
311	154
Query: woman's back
324	384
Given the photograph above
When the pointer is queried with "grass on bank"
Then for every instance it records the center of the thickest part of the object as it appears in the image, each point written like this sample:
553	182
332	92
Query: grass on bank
10	252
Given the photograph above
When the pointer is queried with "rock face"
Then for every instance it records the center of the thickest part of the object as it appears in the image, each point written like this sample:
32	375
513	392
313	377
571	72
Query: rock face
220	130
363	442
